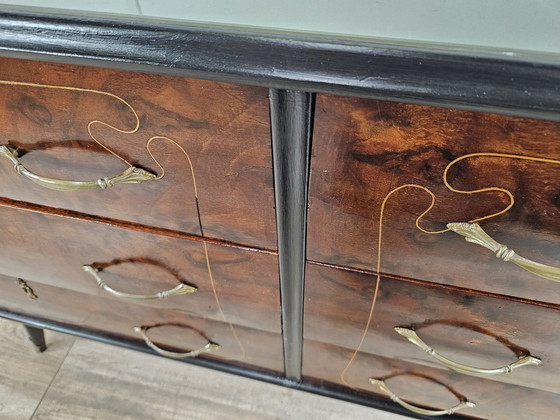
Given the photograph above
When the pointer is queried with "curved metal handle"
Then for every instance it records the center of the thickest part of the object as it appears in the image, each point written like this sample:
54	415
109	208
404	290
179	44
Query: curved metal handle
207	348
458	367
383	386
474	233
132	175
180	289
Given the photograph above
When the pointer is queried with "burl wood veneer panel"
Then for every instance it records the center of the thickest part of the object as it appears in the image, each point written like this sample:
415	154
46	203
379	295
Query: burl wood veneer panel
237	283
82	123
171	330
425	386
342	308
364	150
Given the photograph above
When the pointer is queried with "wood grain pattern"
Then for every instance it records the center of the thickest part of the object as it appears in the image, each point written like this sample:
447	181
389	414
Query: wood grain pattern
466	327
223	128
363	149
52	250
496	401
177	332
26	375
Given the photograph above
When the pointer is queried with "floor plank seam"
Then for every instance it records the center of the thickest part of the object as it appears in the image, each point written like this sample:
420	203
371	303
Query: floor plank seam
52	379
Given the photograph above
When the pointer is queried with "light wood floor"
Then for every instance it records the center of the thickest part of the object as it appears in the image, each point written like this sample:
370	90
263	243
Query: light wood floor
82	379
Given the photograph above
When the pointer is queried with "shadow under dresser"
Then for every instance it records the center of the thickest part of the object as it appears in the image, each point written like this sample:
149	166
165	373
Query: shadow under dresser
369	220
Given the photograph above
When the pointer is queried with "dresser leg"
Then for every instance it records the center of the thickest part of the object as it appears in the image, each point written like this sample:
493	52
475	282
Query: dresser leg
37	337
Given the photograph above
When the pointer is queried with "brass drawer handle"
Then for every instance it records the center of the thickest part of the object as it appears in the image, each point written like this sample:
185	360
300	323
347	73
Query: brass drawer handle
383	386
174	355
458	367
132	175
180	289
475	234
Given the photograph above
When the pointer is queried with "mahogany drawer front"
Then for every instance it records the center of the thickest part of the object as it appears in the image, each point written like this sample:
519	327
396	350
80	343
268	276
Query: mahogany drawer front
232	283
46	110
468	328
327	363
171	330
365	150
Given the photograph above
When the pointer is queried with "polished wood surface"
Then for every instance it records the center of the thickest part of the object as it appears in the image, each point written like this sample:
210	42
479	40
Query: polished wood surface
171	330
415	384
364	149
241	286
223	128
467	327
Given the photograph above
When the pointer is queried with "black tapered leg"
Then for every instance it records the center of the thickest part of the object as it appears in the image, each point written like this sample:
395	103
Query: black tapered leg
37	337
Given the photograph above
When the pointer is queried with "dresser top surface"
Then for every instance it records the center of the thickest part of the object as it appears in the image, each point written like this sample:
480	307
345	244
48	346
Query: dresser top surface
316	56
504	27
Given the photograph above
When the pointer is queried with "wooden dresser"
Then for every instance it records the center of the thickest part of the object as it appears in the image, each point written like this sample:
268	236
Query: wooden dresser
289	208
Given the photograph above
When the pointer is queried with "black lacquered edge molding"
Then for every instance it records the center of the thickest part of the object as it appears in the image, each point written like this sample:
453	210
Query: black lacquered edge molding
330	391
481	81
291	124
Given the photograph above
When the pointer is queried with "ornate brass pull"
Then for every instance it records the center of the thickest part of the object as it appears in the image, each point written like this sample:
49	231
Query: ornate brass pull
28	290
474	233
180	289
383	386
458	367
132	175
207	348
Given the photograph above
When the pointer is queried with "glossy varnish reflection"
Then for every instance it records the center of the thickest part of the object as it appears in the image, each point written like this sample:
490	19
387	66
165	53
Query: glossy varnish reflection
222	129
322	363
241	286
248	347
365	149
471	328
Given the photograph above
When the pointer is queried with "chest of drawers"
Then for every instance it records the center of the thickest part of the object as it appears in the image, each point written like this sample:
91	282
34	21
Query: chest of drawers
302	211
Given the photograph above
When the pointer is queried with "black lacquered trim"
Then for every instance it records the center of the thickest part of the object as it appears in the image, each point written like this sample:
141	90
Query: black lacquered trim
291	114
475	80
326	390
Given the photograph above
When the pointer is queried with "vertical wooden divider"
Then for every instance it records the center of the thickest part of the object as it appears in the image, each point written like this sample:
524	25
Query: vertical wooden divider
291	123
